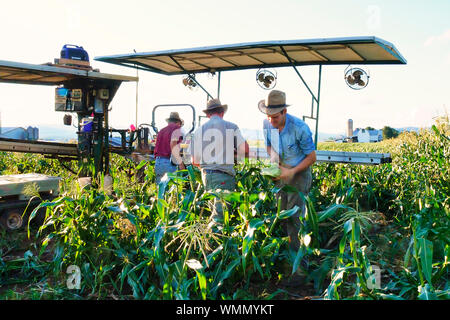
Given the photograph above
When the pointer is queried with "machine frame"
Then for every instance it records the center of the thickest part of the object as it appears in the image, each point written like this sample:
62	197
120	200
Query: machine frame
91	93
272	54
95	92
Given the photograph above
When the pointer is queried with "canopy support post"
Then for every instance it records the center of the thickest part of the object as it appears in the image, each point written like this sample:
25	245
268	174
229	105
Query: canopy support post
218	85
195	80
314	98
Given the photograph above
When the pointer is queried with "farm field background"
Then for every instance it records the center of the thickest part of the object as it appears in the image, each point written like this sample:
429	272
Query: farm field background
144	242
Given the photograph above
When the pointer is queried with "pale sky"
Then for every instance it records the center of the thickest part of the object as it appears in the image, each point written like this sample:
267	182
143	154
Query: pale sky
397	95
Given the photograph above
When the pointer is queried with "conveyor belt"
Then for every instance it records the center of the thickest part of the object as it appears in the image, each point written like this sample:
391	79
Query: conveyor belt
15	184
42	147
370	158
353	157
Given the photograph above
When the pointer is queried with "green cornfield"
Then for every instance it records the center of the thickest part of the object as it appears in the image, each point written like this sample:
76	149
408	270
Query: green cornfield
370	232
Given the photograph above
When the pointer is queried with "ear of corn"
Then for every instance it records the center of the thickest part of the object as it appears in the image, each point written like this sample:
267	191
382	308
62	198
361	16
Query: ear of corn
272	171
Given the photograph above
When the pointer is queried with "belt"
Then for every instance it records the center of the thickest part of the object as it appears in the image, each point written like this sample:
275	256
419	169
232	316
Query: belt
162	157
216	171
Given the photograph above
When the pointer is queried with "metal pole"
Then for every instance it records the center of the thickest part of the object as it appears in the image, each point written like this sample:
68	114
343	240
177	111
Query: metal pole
318	103
312	102
137	84
207	93
218	85
298	73
304	82
106	136
137	89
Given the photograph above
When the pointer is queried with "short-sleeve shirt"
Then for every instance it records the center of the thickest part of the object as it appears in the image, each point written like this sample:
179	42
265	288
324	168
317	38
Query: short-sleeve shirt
214	143
293	143
164	137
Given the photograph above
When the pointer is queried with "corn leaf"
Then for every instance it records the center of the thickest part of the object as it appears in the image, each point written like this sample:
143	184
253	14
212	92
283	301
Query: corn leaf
426	293
202	283
331	211
426	256
284	214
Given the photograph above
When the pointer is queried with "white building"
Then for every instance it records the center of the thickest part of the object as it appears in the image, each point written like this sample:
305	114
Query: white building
364	135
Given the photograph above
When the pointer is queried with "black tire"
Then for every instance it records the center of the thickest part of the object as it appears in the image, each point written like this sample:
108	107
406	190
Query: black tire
11	219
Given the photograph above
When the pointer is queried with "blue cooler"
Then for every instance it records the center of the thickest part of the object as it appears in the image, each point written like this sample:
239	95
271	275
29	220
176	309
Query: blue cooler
86	125
70	51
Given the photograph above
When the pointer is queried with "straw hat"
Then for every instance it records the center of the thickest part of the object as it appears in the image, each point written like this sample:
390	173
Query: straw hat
174	116
214	104
276	101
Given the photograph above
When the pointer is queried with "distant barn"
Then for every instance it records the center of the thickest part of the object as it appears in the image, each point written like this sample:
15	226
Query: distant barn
364	135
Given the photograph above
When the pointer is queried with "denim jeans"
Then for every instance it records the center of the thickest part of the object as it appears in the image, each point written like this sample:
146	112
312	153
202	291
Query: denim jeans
163	165
302	182
213	181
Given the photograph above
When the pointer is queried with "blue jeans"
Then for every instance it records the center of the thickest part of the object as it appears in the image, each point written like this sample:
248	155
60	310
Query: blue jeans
302	182
163	165
213	181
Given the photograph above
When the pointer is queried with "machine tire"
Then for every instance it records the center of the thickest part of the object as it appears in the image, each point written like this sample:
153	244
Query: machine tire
11	219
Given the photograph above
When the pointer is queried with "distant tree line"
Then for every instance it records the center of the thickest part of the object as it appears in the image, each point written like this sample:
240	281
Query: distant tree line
388	132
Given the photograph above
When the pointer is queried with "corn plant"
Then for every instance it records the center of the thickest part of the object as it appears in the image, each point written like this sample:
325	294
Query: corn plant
143	241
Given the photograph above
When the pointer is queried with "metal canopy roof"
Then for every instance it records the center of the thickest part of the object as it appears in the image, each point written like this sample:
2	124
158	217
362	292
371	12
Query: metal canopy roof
24	73
332	51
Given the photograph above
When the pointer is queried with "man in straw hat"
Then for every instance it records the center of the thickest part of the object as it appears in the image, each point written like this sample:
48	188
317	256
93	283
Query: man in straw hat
213	149
289	143
166	140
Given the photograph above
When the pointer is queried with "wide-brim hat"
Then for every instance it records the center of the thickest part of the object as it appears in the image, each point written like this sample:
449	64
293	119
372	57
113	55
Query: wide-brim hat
214	104
276	102
174	116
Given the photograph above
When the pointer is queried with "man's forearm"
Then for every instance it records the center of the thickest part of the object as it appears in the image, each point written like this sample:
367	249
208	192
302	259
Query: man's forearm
274	157
243	151
307	162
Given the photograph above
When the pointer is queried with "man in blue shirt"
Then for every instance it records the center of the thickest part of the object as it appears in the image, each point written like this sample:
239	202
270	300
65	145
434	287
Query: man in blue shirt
289	143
